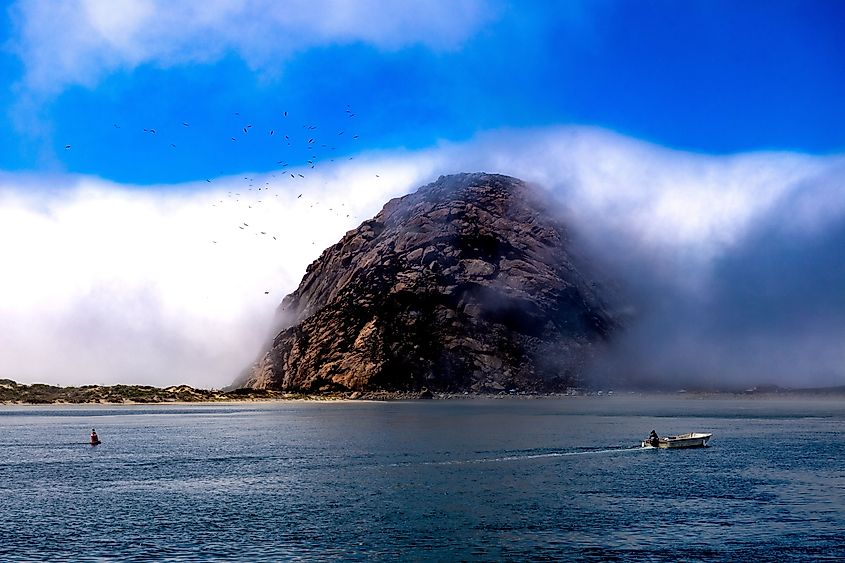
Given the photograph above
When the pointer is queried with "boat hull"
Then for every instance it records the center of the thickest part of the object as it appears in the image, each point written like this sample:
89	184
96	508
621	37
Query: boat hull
691	440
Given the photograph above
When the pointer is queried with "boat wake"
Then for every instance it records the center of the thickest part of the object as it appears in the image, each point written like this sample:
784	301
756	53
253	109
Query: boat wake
521	457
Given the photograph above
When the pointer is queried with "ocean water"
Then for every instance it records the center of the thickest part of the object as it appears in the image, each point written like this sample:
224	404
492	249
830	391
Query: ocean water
519	480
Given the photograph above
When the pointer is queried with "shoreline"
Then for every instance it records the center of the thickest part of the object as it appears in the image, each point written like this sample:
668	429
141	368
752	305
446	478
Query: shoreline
12	393
383	397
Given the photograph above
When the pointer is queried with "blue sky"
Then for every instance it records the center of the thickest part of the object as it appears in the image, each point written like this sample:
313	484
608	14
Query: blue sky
700	146
706	76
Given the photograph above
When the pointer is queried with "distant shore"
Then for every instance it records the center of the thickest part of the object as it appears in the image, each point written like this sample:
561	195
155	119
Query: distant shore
12	392
41	394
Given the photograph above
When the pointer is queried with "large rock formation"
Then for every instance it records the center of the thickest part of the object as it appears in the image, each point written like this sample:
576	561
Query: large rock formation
471	283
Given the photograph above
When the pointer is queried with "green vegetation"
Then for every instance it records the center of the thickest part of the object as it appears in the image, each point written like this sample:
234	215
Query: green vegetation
39	393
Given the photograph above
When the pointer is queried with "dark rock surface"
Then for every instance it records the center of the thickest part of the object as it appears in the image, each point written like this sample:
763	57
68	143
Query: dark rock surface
470	283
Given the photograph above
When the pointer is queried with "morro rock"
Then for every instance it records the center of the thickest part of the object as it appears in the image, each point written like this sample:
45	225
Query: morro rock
472	283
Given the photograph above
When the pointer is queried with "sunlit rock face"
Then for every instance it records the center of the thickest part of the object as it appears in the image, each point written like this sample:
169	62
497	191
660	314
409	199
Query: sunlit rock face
472	283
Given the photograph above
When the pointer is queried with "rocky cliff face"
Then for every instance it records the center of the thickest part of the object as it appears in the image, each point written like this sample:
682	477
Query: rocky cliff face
471	283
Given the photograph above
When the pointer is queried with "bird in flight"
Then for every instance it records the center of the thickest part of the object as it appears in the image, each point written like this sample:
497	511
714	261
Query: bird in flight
67	147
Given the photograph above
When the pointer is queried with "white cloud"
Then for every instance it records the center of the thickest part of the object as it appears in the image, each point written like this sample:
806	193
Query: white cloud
682	205
63	42
109	283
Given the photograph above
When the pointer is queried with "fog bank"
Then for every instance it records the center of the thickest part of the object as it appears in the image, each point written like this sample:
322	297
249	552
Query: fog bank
730	267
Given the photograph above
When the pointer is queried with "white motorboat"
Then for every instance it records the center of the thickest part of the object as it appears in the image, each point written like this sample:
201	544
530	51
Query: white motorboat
689	440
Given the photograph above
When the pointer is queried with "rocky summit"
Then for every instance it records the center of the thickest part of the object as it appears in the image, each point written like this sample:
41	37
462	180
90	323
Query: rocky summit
472	283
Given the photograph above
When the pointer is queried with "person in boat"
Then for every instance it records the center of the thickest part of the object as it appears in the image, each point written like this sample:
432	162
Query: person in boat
94	438
653	438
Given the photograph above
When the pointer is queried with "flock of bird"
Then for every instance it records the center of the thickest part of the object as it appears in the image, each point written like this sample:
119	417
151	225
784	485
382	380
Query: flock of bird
307	142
